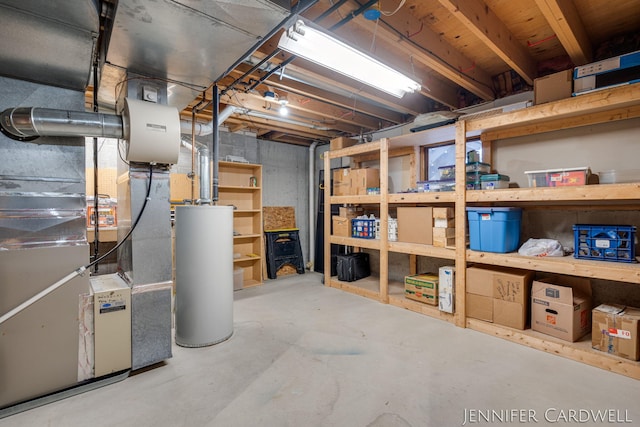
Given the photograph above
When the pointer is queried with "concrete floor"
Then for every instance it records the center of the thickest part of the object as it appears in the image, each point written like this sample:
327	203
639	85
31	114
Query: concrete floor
306	355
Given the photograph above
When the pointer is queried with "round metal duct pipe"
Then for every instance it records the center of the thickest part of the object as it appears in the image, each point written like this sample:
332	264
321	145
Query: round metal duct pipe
25	123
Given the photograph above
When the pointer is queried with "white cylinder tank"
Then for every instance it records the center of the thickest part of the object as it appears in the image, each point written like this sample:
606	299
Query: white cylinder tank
204	275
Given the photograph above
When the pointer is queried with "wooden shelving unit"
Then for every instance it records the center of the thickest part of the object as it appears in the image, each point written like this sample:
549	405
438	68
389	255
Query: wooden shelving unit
236	187
598	107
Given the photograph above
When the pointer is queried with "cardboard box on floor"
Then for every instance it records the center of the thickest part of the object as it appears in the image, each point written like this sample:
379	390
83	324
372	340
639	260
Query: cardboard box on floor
499	295
414	225
616	330
561	307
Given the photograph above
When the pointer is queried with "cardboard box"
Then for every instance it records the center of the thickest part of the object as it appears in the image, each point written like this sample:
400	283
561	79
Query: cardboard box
479	307
444	242
350	211
561	307
341	226
361	179
507	288
553	87
341	142
414	225
443	222
446	289
422	287
615	330
444	213
443	233
341	182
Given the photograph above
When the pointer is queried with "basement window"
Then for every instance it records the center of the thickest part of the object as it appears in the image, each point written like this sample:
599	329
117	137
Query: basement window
445	155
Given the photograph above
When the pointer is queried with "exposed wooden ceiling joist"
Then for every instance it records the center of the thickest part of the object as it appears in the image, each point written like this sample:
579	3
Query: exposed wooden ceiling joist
485	25
563	17
433	51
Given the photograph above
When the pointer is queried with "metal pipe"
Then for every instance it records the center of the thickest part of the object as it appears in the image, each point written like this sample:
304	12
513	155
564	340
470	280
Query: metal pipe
26	122
96	225
204	129
193	156
215	149
312	187
205	177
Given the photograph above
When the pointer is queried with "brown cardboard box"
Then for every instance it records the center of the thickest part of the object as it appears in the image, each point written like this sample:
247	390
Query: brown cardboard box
361	179
342	142
414	225
341	226
553	87
350	211
479	307
443	233
422	287
443	222
444	213
443	242
616	329
341	182
561	310
508	289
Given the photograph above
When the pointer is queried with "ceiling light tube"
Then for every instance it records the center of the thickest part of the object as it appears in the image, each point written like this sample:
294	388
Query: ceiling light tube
312	44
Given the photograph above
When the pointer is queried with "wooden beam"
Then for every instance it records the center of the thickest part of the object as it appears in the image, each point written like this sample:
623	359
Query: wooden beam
440	56
482	22
563	18
360	37
346	120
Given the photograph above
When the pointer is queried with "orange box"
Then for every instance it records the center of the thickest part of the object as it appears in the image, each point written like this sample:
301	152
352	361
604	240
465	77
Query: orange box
106	216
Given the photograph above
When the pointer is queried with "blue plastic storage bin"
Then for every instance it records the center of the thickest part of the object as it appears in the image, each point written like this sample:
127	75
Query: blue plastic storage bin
494	229
605	242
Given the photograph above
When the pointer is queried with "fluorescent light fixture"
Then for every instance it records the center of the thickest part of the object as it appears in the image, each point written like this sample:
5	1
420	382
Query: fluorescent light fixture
314	45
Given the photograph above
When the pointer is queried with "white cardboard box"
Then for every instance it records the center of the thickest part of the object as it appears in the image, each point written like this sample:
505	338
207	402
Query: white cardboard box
446	290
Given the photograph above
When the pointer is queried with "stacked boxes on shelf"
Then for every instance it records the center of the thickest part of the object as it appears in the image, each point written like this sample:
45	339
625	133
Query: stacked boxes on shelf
444	232
342	222
355	182
616	330
422	287
414	225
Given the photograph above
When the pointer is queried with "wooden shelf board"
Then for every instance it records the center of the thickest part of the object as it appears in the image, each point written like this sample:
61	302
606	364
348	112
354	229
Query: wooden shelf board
368	287
397	299
238	165
360	243
422	250
247	258
246	211
579	351
582	193
616	271
246	236
362	200
590	103
429	197
354	150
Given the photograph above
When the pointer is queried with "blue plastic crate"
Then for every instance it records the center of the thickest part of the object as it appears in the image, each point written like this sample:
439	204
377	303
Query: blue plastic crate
494	229
605	242
363	228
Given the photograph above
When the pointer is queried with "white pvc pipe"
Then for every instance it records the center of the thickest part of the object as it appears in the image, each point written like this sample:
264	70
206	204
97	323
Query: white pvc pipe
41	295
312	187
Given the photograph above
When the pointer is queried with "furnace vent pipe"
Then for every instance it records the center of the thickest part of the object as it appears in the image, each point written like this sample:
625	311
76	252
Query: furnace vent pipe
204	129
30	122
